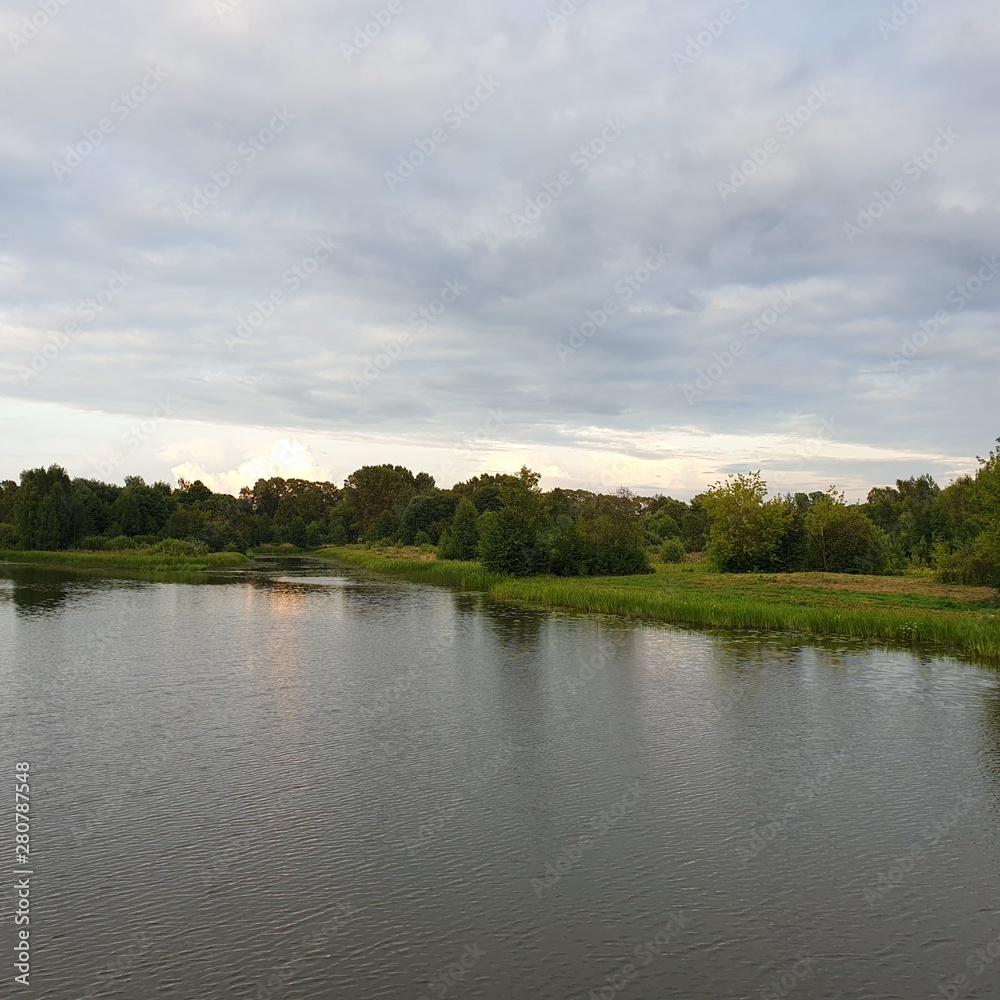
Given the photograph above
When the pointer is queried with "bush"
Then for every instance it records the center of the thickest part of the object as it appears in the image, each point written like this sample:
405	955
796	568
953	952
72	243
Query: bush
8	536
595	553
620	559
976	565
673	551
179	547
95	543
120	543
509	545
570	553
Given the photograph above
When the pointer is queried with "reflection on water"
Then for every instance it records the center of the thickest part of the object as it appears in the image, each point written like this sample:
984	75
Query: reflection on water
294	783
36	591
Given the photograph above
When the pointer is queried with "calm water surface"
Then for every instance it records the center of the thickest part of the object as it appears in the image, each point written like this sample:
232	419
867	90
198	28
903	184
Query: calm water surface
292	784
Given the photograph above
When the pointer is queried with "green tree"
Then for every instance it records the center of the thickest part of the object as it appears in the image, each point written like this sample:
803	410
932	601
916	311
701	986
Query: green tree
977	556
747	534
484	490
461	541
374	491
8	493
612	529
47	513
820	519
910	514
139	509
842	538
694	525
430	511
511	539
316	534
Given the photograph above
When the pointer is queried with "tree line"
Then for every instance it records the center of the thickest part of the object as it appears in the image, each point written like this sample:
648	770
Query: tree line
510	525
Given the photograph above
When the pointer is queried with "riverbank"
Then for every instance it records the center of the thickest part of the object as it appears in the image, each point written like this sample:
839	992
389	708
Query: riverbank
912	610
146	560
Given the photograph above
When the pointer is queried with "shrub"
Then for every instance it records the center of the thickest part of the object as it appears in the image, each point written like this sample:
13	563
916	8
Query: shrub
673	551
179	547
976	565
95	543
120	543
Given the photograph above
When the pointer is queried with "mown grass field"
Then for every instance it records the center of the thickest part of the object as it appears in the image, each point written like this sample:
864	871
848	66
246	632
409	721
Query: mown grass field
130	559
912	610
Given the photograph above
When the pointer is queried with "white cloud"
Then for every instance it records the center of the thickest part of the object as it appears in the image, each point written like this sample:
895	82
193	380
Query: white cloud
287	459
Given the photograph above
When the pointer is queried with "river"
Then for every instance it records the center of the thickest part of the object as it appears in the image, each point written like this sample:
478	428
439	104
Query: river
300	781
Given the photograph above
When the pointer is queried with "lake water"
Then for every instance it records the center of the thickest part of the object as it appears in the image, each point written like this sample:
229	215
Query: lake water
293	783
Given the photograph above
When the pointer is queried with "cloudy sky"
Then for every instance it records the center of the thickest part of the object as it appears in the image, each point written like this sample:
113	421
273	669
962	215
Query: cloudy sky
626	242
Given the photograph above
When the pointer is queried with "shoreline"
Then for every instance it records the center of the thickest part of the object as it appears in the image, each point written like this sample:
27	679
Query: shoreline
141	560
911	612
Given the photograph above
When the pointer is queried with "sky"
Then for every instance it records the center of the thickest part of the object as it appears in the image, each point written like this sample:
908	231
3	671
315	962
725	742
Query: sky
627	243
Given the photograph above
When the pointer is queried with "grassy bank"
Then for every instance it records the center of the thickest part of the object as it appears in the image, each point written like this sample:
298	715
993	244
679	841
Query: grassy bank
145	560
418	566
910	610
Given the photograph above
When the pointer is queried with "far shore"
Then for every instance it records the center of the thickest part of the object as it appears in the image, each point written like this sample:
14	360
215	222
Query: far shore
912	610
142	559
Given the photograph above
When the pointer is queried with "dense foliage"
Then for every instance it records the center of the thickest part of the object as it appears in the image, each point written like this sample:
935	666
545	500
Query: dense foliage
511	526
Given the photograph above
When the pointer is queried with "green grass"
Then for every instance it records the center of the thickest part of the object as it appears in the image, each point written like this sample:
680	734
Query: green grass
912	610
412	564
128	559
